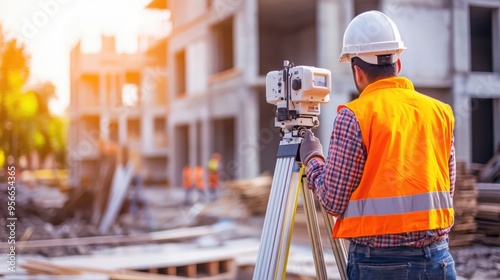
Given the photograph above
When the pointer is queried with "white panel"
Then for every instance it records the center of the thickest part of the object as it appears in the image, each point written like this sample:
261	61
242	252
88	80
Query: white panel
196	67
426	32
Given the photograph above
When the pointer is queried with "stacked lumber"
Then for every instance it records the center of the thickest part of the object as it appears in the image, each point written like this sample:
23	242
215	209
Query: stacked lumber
464	201
172	261
213	270
254	193
488	213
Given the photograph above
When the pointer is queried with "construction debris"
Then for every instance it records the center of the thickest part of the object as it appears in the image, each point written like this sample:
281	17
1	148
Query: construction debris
254	192
160	236
477	262
491	171
488	213
464	202
34	222
154	261
214	270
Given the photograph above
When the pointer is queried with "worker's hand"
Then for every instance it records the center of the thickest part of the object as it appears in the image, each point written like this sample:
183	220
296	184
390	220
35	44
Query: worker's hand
310	147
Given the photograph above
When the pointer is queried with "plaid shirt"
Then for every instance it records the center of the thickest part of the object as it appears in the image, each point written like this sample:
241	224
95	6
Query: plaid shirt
335	180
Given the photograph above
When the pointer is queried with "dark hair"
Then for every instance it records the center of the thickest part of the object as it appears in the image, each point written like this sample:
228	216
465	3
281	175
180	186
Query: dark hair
375	72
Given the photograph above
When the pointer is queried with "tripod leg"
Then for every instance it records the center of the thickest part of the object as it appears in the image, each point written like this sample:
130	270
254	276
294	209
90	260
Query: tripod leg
278	222
313	229
338	246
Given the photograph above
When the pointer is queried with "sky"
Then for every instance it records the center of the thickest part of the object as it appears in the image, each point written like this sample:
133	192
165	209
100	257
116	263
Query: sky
50	28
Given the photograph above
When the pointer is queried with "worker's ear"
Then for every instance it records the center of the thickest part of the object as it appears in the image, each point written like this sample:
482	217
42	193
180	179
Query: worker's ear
398	65
360	76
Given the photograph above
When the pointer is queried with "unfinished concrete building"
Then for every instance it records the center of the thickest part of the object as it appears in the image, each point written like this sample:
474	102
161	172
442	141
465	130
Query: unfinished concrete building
122	99
221	50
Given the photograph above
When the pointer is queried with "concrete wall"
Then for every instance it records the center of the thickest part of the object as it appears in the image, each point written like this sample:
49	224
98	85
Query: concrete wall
437	61
217	107
97	111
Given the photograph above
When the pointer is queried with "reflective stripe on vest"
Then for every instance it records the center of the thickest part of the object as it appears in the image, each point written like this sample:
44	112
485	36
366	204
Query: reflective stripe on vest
398	205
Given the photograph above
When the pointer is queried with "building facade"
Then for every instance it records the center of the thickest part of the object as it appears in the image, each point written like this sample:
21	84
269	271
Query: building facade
221	50
120	99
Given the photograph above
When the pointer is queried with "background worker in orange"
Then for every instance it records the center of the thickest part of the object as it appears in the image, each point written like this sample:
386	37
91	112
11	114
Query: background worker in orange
390	171
213	174
187	184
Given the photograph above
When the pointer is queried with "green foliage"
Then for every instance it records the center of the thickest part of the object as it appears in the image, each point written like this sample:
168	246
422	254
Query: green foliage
26	124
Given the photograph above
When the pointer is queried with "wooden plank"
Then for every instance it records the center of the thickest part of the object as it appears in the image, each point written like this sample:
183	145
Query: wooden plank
86	276
118	192
115	275
189	271
167	235
495	241
102	187
208	268
488	211
153	270
464	227
492	168
41	267
225	266
163	257
172	270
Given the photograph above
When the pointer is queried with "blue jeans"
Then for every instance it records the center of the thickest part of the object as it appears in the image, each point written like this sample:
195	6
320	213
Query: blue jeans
428	262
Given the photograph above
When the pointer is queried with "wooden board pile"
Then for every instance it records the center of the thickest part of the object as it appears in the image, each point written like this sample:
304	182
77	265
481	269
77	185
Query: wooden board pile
488	213
254	192
213	270
465	202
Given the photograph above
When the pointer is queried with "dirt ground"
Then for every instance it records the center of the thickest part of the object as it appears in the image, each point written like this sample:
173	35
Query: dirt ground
35	210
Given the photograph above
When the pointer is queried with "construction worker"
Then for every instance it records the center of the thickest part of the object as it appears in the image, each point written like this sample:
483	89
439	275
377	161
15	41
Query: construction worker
389	174
187	183
213	174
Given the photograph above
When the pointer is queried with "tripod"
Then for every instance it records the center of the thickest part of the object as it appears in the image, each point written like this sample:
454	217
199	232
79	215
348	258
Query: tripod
280	215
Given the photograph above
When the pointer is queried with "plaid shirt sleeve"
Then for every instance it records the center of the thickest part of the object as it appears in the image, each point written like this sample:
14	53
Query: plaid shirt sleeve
334	180
452	166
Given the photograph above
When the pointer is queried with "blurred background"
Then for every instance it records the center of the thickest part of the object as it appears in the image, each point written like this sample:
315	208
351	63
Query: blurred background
147	90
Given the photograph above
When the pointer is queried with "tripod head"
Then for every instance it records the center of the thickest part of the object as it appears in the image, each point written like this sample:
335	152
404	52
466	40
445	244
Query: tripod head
297	92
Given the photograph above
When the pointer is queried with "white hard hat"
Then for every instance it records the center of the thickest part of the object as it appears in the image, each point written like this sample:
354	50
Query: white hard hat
373	37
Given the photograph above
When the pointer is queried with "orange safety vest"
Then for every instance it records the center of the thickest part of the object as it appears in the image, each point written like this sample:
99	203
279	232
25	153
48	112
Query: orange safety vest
405	185
186	178
198	177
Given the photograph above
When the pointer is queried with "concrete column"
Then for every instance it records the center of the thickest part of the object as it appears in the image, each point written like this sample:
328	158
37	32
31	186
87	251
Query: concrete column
102	91
496	40
104	126
120	83
461	64
192	141
247	42
112	88
172	166
461	36
333	16
206	148
462	112
122	129
147	131
496	123
247	141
